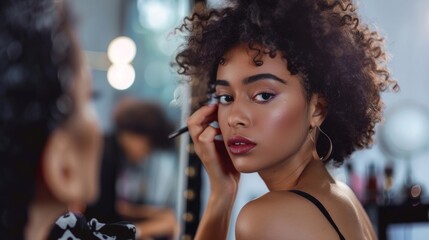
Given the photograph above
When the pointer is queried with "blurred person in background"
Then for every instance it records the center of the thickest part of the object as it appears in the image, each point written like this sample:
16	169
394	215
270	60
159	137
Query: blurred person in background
49	136
138	177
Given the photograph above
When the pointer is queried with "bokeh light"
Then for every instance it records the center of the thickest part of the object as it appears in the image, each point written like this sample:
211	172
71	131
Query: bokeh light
154	15
178	96
121	50
121	76
411	129
406	130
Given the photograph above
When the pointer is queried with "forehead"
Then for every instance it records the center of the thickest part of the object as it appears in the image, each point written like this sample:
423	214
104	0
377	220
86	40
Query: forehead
239	63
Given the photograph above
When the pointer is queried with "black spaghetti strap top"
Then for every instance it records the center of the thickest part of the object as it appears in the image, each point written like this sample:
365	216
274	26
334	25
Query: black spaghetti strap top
321	208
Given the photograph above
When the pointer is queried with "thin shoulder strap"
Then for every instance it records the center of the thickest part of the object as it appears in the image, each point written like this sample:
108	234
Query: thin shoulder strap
321	208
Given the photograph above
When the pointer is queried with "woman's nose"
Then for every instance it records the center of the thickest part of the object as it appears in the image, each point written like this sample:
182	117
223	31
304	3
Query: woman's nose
238	116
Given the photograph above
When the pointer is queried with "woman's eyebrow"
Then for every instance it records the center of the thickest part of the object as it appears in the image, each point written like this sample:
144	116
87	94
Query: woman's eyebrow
251	79
220	82
263	76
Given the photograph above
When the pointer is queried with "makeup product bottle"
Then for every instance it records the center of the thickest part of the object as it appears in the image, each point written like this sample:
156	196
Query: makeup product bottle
388	184
372	186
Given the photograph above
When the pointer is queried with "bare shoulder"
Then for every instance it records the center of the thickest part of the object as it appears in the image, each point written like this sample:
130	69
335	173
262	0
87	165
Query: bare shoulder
286	215
282	215
364	224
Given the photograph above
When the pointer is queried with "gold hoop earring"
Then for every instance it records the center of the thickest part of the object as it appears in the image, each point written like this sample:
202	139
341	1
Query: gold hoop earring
315	153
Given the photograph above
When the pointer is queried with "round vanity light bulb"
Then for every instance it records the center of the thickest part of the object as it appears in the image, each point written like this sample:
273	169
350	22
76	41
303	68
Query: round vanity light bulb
121	50
121	77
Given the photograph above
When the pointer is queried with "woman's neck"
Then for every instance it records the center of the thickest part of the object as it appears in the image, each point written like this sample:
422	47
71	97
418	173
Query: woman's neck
290	172
309	172
287	176
42	214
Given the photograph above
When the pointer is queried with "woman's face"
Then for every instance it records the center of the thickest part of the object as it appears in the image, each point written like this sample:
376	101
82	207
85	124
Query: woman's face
263	111
135	146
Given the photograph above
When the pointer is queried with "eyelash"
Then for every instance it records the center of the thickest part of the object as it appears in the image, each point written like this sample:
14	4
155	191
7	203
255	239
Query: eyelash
221	98
270	95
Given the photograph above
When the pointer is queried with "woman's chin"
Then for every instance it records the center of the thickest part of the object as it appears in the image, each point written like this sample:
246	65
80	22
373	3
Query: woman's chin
243	167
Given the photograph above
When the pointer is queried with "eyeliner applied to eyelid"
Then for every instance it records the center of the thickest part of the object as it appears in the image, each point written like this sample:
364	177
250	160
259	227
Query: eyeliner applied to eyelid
251	79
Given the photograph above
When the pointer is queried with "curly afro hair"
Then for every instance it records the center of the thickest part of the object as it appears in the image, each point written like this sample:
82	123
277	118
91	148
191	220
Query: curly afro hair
322	40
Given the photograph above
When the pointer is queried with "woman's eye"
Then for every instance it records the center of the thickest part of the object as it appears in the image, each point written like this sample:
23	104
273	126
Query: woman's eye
263	97
224	99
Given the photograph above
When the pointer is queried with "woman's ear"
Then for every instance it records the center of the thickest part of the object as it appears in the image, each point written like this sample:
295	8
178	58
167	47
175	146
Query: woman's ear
60	167
318	109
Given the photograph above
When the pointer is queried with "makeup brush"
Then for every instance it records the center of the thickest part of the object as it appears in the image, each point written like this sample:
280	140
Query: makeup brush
178	132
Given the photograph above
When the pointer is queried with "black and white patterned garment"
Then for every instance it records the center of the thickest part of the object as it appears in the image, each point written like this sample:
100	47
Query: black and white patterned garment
73	226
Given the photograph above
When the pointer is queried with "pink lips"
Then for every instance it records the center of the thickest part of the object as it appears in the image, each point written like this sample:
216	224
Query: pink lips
240	145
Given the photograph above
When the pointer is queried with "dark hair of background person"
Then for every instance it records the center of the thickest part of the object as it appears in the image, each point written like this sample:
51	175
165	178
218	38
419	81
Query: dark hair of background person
146	119
38	57
324	41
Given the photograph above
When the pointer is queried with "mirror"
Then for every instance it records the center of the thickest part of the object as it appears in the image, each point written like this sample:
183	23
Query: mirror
406	130
404	135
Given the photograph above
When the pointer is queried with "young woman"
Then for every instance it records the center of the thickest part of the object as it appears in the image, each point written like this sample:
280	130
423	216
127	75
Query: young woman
298	85
49	136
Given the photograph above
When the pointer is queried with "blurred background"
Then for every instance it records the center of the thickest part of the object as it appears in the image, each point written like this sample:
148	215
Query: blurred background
130	44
